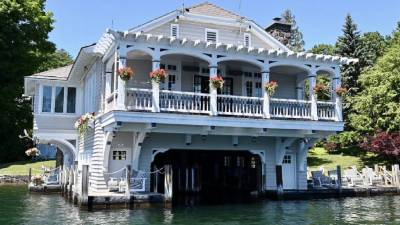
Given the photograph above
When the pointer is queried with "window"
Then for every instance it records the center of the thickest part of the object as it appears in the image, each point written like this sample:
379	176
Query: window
253	162
258	90
227	89
247	40
171	67
227	161
171	82
247	74
287	159
240	161
249	88
211	35
119	155
175	30
257	75
71	100
47	99
59	104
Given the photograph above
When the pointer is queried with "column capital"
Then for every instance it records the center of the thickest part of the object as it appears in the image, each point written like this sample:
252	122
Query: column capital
213	66
265	71
156	60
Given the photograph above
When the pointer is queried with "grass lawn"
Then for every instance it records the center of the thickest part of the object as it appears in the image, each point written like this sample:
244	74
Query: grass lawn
320	157
22	167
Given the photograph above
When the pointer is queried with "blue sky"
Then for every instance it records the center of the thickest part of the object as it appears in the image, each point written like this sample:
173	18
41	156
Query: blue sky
81	22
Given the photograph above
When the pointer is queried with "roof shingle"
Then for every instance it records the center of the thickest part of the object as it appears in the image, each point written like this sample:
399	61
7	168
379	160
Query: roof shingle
210	9
60	73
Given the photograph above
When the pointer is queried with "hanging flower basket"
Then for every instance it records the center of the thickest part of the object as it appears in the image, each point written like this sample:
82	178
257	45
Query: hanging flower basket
158	75
126	73
320	88
341	91
217	82
271	87
83	123
32	152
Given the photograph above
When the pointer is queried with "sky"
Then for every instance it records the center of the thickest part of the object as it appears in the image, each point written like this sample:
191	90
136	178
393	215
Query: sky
82	22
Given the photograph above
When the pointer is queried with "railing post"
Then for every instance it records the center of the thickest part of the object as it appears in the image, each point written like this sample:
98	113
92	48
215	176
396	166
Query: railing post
266	97
121	85
155	89
339	177
213	91
313	98
337	99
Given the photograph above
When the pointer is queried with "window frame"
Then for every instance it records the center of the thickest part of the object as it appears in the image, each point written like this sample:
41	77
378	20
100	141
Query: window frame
53	88
207	30
176	26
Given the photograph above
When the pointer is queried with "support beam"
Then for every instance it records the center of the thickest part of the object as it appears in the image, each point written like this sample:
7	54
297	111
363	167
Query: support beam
266	97
312	77
155	88
304	147
213	91
138	138
336	83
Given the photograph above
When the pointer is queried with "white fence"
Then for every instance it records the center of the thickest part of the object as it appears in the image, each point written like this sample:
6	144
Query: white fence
139	99
290	108
239	105
185	102
326	110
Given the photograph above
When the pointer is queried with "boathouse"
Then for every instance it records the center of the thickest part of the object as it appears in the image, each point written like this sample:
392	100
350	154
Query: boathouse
188	133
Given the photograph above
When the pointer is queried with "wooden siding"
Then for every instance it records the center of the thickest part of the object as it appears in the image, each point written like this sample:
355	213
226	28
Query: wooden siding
196	31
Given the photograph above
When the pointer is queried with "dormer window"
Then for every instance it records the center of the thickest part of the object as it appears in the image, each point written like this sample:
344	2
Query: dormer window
212	35
247	40
175	30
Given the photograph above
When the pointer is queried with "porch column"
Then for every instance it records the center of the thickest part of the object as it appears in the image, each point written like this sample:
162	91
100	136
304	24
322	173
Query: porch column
336	83
300	87
155	88
121	84
266	97
213	91
312	77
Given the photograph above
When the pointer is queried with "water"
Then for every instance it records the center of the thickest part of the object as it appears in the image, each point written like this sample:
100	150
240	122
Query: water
17	206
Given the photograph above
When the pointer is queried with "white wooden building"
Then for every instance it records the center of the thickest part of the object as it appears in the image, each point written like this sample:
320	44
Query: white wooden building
186	122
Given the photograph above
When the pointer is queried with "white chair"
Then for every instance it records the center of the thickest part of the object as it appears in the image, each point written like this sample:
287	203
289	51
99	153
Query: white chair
112	185
371	177
354	177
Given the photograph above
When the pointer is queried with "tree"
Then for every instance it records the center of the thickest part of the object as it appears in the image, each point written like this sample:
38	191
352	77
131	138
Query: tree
296	40
373	46
325	49
56	59
24	29
384	144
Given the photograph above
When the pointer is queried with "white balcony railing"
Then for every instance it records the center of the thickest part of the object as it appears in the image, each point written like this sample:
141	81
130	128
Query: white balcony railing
326	110
138	99
290	108
227	105
239	105
185	102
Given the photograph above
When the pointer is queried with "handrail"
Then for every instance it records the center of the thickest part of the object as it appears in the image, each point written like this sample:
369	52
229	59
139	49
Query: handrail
185	93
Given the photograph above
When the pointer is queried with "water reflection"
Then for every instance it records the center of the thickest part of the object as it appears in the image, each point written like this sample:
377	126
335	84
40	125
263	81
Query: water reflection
18	207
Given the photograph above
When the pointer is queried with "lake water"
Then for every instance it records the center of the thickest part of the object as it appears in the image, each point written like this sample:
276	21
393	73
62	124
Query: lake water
17	206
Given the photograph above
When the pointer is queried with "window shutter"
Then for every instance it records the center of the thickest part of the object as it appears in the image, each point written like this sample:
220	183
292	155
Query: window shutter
175	30
211	35
247	40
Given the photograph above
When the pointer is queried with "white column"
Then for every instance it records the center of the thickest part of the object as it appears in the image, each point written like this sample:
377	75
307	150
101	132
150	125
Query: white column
300	87
155	88
213	91
337	99
266	97
312	77
121	85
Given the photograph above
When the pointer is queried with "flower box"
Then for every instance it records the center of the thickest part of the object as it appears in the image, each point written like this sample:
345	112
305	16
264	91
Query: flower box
271	87
217	82
85	122
158	75
126	73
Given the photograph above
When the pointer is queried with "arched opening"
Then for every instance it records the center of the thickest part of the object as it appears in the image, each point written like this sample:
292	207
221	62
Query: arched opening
325	78
186	73
217	175
63	151
141	63
242	78
291	81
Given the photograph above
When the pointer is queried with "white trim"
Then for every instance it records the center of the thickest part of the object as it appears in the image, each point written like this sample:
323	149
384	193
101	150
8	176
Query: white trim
174	26
247	36
208	30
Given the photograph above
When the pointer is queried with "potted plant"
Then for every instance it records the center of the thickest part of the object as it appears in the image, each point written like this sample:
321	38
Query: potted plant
82	124
217	82
125	73
341	91
158	75
32	152
320	88
271	87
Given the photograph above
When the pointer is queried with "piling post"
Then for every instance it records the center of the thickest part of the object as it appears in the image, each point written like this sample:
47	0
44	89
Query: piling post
339	178
279	181
29	175
128	181
85	184
395	174
168	183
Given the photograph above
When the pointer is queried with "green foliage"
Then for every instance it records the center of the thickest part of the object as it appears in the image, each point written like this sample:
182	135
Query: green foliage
296	40
373	46
56	59
376	107
325	49
24	28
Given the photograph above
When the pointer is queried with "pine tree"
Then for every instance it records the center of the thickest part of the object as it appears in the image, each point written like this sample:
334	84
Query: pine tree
296	40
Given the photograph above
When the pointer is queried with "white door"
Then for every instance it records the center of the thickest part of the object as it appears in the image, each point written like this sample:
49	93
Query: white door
289	171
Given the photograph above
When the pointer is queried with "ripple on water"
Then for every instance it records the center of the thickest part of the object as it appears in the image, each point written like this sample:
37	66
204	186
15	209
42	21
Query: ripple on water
19	207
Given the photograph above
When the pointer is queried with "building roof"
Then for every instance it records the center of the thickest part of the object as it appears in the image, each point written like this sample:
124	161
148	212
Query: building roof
210	9
60	73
